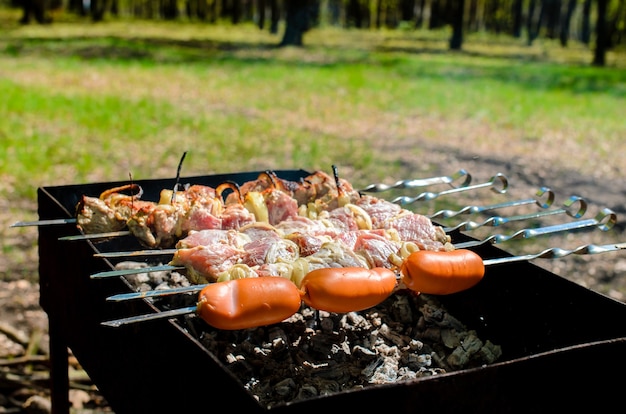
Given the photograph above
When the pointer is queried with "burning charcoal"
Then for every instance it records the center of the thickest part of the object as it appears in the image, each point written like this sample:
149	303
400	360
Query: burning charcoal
382	371
418	361
440	317
326	325
238	365
278	339
462	354
354	321
405	374
306	391
392	336
286	388
490	352
415	345
138	279
401	310
450	338
361	352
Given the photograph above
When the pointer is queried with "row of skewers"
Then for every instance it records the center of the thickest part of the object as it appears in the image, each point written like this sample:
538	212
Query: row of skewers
256	251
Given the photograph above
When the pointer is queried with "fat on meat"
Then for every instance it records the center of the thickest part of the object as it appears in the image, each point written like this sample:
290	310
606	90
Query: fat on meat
236	216
205	263
376	248
335	254
416	228
210	236
379	210
271	249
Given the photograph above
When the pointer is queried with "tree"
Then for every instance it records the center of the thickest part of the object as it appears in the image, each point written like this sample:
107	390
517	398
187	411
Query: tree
298	20
517	10
566	21
456	40
599	55
37	9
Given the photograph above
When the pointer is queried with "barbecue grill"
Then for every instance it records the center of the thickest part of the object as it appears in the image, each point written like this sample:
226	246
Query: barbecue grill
560	341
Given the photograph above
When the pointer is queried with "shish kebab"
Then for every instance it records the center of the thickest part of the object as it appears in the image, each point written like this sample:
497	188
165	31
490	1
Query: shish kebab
106	215
252	302
382	234
268	198
280	240
331	279
335	281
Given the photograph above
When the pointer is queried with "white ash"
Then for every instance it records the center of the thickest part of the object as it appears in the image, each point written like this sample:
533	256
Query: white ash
316	353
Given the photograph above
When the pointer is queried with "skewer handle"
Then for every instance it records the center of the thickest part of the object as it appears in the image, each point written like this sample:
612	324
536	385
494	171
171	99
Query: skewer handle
428	196
543	192
604	220
424	182
557	253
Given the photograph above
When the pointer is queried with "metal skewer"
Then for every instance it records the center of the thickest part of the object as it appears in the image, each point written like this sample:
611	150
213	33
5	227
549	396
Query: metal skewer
409	184
44	222
543	192
552	253
150	316
155	293
604	220
96	235
137	253
428	196
495	221
127	272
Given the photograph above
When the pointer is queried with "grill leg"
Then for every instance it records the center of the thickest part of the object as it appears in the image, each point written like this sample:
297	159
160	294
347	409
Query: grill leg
59	375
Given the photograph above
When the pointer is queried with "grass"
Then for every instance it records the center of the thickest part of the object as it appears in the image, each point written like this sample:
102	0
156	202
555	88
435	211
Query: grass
94	102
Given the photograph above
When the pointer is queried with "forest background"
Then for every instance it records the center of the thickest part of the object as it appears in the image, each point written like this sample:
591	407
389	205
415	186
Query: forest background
600	24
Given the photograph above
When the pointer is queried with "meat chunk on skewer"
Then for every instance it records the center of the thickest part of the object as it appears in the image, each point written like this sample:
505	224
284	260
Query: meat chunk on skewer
111	210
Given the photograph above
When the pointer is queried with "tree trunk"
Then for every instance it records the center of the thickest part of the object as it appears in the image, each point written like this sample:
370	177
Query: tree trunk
517	10
456	41
599	56
435	20
552	10
565	24
585	31
275	16
298	21
37	9
534	24
261	14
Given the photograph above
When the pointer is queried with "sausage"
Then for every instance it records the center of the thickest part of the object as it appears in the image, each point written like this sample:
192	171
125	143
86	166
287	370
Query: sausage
347	289
442	273
248	303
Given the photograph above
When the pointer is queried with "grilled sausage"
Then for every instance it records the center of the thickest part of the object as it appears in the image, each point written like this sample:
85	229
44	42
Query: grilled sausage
442	273
347	289
248	303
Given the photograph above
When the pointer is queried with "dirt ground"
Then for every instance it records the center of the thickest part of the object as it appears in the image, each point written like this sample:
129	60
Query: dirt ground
23	325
